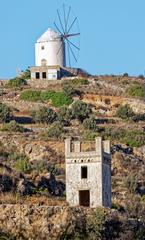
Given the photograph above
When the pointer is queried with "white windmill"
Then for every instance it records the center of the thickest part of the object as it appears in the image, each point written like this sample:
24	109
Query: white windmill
59	47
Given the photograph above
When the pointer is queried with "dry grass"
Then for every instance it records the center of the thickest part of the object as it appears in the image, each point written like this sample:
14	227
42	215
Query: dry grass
31	200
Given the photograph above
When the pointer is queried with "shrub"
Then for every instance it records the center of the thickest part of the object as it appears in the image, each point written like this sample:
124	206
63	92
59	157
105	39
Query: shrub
31	95
60	99
26	74
80	110
134	138
130	138
21	162
23	165
64	116
44	115
12	127
143	198
69	90
141	76
136	90
95	223
125	112
78	82
55	131
16	83
138	117
90	124
125	75
88	135
5	113
131	183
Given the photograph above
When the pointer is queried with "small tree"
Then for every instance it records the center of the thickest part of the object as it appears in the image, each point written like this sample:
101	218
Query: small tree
12	127
125	112
64	116
69	90
17	82
44	115
56	131
136	91
5	113
80	110
90	124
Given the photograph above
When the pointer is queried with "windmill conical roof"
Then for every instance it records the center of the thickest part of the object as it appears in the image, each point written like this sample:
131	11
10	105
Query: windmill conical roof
49	35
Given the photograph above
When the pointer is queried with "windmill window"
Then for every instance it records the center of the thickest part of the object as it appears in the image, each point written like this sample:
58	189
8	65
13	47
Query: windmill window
37	75
44	75
84	172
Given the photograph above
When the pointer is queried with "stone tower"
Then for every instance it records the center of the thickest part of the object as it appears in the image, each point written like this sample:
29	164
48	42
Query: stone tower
88	174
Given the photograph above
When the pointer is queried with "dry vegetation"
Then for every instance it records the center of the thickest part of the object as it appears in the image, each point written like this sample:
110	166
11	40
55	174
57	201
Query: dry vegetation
32	148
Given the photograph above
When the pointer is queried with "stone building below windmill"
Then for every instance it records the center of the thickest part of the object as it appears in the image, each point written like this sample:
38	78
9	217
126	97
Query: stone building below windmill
88	174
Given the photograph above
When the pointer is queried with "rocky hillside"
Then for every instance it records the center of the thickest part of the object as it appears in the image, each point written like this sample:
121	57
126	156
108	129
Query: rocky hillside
35	118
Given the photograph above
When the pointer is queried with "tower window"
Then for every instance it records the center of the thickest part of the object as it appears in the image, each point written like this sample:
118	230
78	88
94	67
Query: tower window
42	47
44	75
37	75
84	172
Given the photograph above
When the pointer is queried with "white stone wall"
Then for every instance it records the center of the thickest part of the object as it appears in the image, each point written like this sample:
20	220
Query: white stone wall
49	52
92	183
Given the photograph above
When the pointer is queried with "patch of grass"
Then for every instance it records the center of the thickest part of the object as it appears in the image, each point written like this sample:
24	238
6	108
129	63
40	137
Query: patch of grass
31	95
47	95
136	90
60	99
12	127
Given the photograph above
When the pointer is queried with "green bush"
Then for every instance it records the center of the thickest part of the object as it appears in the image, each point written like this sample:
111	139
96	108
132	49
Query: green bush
131	182
143	198
12	127
56	131
125	112
31	95
125	75
44	115
139	117
69	90
134	138
95	223
78	82
130	138
17	82
21	162
23	165
60	99
80	110
90	124
5	113
26	74
64	116
88	135
136	90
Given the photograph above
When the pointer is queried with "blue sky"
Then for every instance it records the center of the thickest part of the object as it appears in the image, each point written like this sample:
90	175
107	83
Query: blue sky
112	34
